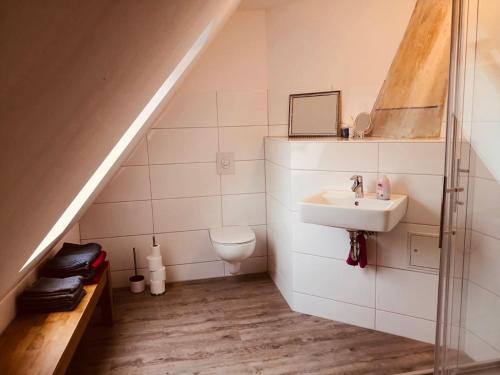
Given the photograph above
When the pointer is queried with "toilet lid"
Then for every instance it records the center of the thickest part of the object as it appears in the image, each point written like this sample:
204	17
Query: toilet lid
232	235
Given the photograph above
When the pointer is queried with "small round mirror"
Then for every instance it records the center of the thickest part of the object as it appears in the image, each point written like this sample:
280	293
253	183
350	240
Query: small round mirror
362	123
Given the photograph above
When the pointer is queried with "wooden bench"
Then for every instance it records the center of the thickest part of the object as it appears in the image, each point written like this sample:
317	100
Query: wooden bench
42	344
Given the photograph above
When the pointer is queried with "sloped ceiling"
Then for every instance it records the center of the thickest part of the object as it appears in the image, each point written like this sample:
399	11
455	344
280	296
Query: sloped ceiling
74	75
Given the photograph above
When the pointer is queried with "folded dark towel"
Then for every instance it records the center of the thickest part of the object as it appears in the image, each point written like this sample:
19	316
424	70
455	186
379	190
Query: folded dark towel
91	248
48	286
51	298
52	307
72	259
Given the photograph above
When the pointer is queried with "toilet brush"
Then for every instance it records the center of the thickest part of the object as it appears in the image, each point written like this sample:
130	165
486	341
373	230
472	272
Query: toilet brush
137	284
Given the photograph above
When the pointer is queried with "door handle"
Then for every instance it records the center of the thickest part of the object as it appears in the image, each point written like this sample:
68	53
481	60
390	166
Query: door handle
455	190
441	218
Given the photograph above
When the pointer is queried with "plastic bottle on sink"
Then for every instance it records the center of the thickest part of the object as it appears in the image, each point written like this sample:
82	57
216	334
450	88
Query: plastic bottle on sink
384	188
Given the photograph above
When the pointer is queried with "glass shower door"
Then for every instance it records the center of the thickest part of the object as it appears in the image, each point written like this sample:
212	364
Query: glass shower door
468	329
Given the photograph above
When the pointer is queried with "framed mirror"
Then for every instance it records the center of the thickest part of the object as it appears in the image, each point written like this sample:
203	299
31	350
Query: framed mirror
314	114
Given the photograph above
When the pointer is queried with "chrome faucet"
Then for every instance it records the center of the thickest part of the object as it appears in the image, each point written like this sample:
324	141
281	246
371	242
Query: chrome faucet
357	186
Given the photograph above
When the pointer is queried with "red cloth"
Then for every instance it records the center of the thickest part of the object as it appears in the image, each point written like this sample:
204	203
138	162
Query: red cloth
97	277
350	261
96	263
363	259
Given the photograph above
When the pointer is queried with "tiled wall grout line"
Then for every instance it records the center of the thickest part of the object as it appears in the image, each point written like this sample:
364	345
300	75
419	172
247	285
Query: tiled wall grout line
265	174
220	176
179	197
187	264
483	287
150	185
161	232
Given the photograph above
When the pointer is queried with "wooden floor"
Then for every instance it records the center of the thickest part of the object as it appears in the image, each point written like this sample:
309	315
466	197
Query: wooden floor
235	326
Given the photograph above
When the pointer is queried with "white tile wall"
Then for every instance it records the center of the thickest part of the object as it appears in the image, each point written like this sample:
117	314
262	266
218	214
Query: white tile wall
335	156
182	145
250	265
326	241
139	155
261	238
278	151
278	106
279	234
249	177
333	279
334	310
424	196
486	207
244	209
195	271
402	325
278	130
278	183
241	108
485	262
116	219
478	349
246	142
484	142
169	186
119	250
186	247
182	214
129	184
408	293
184	180
412	157
483	310
190	109
279	219
393	247
389	294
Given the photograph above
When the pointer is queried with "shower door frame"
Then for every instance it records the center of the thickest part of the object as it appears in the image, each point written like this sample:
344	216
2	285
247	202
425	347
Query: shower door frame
451	288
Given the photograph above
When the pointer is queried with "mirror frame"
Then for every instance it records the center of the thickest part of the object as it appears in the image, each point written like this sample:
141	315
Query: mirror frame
334	133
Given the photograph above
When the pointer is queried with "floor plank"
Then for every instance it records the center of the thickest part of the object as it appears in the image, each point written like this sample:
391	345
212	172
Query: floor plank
238	325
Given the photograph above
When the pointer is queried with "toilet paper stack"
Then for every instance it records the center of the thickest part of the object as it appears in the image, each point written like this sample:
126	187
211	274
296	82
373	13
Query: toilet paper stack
157	274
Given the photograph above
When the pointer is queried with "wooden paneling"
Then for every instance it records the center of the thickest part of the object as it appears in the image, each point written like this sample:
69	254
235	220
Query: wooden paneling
412	99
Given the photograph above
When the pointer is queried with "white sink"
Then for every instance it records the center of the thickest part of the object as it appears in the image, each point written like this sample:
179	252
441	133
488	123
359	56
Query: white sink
341	209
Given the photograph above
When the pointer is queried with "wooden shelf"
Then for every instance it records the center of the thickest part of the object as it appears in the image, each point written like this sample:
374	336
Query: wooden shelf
43	343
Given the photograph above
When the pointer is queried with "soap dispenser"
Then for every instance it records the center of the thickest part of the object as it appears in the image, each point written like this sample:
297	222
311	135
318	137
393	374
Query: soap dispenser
384	188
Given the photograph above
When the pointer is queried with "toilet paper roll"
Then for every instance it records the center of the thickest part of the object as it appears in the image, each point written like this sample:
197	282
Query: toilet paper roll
157	287
158	275
154	262
155	251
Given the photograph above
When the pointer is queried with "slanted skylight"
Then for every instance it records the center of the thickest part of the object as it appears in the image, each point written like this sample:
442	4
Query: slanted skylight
84	194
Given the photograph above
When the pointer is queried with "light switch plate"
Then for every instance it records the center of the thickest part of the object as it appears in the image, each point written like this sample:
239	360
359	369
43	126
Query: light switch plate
225	163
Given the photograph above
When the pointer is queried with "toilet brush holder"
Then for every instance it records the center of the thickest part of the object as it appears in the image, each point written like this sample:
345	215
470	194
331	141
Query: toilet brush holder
137	282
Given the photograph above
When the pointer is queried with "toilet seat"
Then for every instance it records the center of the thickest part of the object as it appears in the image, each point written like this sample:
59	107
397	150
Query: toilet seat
232	235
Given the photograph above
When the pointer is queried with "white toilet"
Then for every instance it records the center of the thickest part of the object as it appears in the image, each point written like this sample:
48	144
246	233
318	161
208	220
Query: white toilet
233	245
